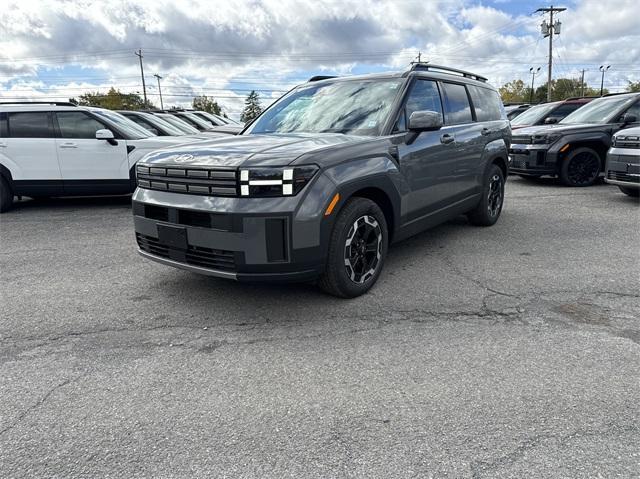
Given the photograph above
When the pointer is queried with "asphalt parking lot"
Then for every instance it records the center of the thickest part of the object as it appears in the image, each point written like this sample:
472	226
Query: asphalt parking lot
510	351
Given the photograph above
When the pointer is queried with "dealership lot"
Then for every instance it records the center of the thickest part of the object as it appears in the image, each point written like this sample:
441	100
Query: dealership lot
509	351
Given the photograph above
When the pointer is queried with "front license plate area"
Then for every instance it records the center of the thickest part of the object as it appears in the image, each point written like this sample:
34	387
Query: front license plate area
172	236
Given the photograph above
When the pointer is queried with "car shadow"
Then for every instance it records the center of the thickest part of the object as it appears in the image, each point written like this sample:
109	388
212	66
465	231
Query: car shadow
76	202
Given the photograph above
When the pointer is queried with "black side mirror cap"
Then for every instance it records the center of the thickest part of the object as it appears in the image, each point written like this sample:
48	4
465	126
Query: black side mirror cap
628	118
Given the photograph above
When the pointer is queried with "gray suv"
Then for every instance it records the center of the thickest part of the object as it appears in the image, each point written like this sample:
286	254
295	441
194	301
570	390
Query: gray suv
327	177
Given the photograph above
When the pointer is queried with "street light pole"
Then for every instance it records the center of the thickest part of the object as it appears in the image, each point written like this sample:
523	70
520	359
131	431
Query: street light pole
603	69
159	90
533	77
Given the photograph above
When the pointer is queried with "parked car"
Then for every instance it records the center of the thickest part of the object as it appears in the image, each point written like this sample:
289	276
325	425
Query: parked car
327	177
575	148
175	121
548	113
59	149
515	110
194	120
159	126
623	161
220	124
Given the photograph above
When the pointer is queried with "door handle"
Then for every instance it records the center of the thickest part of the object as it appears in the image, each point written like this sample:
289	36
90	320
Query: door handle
69	145
486	131
446	139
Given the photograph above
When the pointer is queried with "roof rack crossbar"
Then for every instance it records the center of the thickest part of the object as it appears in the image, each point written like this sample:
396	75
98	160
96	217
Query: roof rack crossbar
415	66
57	103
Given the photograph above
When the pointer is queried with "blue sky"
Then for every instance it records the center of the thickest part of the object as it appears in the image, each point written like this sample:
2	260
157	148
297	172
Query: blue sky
57	50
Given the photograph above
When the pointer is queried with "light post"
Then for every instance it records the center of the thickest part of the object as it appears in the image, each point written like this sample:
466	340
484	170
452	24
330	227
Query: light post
603	69
533	77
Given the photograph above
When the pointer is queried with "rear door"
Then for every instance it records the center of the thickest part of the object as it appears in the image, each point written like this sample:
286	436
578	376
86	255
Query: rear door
89	166
28	150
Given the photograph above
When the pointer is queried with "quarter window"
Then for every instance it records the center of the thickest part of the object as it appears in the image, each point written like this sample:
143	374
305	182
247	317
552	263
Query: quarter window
76	124
486	103
32	124
456	104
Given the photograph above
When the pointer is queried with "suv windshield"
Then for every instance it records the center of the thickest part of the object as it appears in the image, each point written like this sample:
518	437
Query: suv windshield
357	107
156	121
533	114
178	123
601	110
130	128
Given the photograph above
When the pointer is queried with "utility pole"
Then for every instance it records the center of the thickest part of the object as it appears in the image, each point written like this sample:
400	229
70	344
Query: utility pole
548	30
603	69
533	77
160	90
144	87
582	84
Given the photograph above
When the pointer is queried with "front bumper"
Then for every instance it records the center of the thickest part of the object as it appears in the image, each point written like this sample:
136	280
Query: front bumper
533	160
623	167
264	239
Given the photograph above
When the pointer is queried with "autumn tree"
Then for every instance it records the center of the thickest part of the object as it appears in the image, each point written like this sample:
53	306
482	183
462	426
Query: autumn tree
205	103
113	100
633	87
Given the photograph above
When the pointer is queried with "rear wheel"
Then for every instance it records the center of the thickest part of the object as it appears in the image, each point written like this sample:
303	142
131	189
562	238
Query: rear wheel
580	168
490	206
6	195
635	192
357	249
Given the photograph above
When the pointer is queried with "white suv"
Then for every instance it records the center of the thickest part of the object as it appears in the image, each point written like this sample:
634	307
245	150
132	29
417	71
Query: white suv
59	149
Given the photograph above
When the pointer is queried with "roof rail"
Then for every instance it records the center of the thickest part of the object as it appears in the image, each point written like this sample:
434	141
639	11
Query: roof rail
57	103
321	77
619	93
422	66
579	98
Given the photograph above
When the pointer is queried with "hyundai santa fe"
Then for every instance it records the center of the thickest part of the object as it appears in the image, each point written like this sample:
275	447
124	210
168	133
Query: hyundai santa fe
320	184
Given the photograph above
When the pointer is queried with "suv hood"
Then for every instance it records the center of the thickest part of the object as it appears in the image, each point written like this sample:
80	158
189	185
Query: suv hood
252	150
563	129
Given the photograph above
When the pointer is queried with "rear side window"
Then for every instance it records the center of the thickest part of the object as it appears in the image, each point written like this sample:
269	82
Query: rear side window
3	125
29	124
456	104
79	125
564	110
486	103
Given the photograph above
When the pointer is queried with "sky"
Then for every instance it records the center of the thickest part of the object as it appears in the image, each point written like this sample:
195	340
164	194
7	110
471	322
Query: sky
54	50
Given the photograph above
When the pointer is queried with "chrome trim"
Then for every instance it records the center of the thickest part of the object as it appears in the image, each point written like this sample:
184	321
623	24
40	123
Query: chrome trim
188	267
537	146
622	183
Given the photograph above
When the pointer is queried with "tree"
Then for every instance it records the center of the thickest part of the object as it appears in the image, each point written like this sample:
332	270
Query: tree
252	107
514	92
633	86
204	103
113	100
562	88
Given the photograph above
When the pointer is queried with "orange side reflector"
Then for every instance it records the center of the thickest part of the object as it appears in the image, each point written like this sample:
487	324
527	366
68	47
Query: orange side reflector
564	148
333	204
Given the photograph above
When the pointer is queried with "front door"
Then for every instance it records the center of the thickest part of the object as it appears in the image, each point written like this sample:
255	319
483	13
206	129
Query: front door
89	166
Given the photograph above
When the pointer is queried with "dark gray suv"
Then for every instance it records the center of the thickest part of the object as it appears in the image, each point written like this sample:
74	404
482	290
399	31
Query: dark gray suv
327	177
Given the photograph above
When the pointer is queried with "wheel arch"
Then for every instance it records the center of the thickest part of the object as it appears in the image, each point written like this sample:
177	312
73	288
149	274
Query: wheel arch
381	198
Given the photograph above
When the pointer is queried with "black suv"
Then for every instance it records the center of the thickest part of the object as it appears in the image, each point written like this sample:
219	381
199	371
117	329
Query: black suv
327	177
575	148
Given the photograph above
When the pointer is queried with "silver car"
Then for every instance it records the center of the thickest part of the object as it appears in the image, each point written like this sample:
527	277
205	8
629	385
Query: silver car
623	161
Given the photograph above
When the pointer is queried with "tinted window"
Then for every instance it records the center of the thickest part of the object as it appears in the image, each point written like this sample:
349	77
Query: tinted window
424	96
564	110
634	110
456	104
143	123
486	103
33	124
3	125
75	124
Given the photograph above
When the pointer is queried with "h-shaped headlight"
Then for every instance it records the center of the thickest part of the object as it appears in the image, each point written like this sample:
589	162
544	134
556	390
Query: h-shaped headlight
286	181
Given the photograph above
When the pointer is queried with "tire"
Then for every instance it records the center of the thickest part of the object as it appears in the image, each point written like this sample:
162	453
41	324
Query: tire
6	195
581	168
357	249
635	192
488	210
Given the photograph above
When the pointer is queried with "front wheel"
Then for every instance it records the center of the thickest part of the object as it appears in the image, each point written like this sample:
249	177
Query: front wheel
6	195
490	206
357	249
580	168
635	192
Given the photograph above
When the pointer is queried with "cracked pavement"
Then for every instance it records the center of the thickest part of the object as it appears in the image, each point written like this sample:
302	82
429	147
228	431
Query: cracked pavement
510	351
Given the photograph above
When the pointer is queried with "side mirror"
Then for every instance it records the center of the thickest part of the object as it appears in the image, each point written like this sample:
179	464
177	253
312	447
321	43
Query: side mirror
423	120
628	118
106	135
551	120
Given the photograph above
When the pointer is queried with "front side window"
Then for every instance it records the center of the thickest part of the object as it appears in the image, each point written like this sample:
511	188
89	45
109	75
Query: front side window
456	104
486	103
77	124
634	110
356	107
32	124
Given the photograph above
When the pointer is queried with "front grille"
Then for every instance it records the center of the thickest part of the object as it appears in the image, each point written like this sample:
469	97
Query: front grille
521	140
193	255
195	181
620	176
627	142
